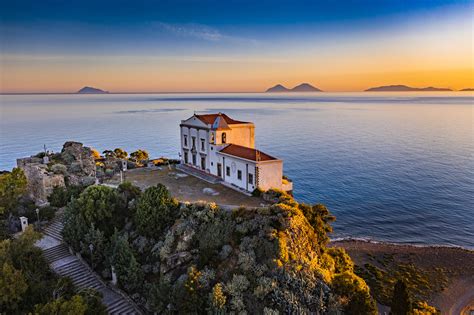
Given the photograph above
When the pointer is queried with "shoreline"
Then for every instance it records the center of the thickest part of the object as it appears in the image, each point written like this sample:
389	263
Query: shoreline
350	239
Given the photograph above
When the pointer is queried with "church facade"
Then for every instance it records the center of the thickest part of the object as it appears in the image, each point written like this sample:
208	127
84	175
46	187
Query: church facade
224	147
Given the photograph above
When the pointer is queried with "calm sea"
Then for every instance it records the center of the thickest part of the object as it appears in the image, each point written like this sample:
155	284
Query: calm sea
391	167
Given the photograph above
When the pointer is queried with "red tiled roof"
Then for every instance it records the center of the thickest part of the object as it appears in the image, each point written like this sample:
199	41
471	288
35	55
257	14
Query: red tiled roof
246	153
210	119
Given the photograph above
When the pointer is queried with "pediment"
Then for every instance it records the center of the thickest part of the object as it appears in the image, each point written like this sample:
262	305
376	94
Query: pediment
193	121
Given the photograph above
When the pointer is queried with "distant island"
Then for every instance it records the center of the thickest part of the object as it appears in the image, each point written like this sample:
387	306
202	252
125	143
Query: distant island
404	88
91	90
303	87
467	90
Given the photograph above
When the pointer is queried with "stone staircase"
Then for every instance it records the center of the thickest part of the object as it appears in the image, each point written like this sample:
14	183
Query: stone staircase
68	265
55	227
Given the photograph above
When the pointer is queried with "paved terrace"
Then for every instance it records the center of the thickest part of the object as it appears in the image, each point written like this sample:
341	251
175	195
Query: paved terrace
186	187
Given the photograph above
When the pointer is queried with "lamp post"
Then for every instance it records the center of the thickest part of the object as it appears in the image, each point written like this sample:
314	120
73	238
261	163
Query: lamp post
37	216
91	248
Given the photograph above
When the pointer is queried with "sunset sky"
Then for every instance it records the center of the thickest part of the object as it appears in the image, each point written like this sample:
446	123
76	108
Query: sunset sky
169	46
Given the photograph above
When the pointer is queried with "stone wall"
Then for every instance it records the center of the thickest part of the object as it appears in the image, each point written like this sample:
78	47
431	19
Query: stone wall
40	181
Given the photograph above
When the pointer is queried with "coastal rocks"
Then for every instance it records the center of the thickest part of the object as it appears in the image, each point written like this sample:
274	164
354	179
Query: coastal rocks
40	181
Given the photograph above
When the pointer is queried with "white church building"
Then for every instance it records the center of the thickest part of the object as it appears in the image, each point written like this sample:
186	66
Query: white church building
218	145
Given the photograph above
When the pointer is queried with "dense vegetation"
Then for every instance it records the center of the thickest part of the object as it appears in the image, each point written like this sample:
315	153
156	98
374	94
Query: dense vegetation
198	258
27	285
403	286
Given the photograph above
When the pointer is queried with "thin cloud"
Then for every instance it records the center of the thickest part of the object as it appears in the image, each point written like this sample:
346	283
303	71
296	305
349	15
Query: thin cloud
201	31
193	30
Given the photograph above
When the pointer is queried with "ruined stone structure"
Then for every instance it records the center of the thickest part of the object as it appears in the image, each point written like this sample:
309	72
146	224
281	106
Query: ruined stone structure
40	181
73	166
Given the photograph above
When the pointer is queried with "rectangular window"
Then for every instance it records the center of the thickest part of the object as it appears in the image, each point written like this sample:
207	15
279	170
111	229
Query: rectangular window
186	157
202	145
194	159
194	142
239	175
251	179
227	171
185	140
203	163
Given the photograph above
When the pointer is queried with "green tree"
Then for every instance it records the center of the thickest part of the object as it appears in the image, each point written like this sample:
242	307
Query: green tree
12	287
320	219
401	303
75	306
62	195
156	210
139	155
108	153
120	153
75	227
94	246
355	291
129	274
12	186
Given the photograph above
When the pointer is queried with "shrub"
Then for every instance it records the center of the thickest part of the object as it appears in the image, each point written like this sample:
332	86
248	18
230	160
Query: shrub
59	169
422	308
349	286
320	219
342	260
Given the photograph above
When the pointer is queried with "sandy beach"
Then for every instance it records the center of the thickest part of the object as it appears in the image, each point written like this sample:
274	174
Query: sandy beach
455	295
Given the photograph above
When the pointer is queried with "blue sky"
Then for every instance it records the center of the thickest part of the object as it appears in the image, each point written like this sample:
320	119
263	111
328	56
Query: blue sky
37	33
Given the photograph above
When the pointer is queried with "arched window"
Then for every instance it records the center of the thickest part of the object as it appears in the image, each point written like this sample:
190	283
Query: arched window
224	137
212	137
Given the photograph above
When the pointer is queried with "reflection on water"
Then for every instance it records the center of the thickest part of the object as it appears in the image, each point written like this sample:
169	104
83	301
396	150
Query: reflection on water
395	167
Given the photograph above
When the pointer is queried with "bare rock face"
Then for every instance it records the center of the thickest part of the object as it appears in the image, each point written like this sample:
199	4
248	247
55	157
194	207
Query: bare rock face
79	161
40	181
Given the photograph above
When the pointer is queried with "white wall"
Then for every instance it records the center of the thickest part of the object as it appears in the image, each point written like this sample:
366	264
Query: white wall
246	167
270	174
